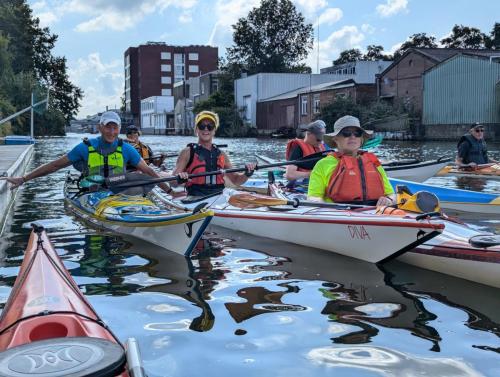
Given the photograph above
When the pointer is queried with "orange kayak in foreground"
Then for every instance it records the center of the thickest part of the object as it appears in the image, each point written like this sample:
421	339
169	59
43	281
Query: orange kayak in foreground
48	328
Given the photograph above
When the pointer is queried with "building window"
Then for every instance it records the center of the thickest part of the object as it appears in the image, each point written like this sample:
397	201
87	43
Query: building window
316	104
179	58
165	56
303	105
166	92
193	56
215	85
166	68
166	80
248	107
202	88
193	69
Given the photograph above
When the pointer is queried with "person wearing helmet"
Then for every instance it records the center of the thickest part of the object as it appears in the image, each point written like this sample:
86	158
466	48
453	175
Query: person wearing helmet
298	148
205	156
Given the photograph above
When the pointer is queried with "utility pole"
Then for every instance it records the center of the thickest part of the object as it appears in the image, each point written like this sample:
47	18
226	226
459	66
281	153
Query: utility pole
31	107
32	120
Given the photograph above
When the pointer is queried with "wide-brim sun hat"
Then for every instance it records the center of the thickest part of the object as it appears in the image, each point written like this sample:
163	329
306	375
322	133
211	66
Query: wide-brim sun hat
341	123
207	115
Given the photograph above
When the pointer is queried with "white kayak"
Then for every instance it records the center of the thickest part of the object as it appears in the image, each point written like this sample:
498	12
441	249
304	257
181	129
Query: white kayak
363	234
413	170
165	225
459	251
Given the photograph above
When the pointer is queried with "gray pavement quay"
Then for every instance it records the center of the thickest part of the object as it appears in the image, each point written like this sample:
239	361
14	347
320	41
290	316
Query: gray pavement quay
13	162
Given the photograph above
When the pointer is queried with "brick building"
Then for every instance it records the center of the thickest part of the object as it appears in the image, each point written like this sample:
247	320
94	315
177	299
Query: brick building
153	69
301	106
402	80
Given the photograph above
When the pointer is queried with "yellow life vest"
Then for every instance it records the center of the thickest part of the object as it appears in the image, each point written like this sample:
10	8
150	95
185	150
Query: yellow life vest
105	165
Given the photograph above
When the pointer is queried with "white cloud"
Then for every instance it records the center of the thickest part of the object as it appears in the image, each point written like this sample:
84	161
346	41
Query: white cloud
102	82
395	47
310	7
186	17
329	49
367	28
330	16
47	18
392	7
227	13
116	15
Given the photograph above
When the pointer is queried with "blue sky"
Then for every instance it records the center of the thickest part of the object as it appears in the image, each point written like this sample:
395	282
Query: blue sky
93	34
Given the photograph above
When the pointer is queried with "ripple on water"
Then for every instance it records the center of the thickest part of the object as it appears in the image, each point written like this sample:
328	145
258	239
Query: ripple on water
389	362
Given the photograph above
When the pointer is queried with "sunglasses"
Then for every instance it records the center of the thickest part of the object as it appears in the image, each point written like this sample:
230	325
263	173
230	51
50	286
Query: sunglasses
204	127
349	133
478	130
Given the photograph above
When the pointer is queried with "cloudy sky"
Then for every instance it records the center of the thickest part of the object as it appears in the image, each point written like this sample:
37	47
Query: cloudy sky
93	34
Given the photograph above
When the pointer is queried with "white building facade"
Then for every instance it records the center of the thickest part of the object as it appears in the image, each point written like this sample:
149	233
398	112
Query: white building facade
157	115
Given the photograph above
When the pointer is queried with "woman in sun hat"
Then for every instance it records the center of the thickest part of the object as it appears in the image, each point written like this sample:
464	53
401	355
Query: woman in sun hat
350	175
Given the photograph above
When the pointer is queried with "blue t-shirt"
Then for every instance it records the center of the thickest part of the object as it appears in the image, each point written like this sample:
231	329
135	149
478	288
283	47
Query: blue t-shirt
79	154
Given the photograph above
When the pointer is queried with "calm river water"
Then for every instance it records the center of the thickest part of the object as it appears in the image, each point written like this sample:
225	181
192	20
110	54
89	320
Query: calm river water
248	306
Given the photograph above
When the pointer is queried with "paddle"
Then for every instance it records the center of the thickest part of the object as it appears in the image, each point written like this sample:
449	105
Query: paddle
248	200
121	182
177	154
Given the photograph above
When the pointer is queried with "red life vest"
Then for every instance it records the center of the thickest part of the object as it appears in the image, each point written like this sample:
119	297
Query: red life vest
307	149
202	160
355	179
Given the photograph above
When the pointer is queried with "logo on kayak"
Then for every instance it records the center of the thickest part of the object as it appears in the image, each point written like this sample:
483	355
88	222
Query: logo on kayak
358	232
43	300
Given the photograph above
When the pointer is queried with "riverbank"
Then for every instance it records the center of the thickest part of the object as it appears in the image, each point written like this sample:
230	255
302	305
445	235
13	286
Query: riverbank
13	162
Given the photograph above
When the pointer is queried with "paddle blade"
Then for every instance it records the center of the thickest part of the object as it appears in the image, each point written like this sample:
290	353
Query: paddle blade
246	200
373	142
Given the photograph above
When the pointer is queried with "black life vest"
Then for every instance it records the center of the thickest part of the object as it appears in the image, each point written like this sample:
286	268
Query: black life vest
477	151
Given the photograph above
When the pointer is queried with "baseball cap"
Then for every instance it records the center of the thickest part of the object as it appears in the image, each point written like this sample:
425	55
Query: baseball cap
317	127
132	129
110	116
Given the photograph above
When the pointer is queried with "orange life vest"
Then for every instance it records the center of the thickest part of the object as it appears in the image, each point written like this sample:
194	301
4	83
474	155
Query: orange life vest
355	179
307	149
202	160
143	149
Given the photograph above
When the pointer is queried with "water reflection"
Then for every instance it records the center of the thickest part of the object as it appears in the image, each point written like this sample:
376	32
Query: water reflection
274	309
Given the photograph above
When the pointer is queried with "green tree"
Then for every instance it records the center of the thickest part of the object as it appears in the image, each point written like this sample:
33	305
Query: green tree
493	41
336	109
465	37
274	37
346	56
415	41
33	64
375	52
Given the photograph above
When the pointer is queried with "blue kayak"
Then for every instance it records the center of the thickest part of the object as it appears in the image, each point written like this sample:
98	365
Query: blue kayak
456	199
449	198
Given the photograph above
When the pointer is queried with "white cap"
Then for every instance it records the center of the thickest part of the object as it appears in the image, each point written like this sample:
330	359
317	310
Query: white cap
110	116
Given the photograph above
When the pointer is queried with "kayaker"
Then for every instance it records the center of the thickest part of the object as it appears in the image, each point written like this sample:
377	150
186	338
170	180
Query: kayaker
144	150
350	175
472	149
204	156
103	156
299	148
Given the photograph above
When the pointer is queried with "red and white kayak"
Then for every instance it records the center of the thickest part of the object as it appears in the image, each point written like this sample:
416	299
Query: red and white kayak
458	251
363	235
48	328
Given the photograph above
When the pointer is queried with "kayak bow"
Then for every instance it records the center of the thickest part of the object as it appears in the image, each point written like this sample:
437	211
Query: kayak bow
48	327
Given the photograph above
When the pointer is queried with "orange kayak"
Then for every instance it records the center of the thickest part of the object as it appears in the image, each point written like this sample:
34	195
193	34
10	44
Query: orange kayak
49	328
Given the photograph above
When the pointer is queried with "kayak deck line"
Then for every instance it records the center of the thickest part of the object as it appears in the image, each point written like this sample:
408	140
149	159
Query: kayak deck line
311	219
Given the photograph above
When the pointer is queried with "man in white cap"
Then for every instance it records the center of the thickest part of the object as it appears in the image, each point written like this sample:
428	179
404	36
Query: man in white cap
103	156
350	175
299	148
